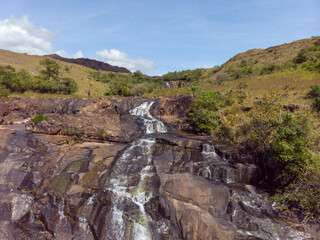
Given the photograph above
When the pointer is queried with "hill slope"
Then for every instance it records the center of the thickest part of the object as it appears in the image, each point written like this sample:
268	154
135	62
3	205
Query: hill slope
91	63
30	63
276	54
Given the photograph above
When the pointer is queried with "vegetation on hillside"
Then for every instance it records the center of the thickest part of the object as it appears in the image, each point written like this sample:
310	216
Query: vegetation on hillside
135	84
186	75
49	80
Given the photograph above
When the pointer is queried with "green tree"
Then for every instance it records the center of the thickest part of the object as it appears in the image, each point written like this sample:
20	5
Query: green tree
51	69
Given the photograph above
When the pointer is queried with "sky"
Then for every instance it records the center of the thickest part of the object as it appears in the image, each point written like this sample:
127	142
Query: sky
154	36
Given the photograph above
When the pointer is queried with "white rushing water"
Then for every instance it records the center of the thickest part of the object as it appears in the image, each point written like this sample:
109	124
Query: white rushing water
152	124
138	154
216	167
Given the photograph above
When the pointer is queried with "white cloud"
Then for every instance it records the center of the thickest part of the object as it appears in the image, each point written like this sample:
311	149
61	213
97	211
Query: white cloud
63	53
21	35
121	59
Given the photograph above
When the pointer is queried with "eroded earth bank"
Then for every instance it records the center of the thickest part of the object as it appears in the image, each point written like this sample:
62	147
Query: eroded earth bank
125	169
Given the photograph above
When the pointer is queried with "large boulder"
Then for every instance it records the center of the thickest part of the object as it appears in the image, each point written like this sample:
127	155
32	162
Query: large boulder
196	207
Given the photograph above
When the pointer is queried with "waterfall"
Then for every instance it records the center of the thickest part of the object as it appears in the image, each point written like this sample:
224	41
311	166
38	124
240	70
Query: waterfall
216	167
128	192
152	124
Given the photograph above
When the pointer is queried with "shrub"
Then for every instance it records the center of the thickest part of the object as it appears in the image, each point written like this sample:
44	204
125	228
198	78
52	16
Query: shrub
39	118
68	86
102	134
314	94
203	116
221	77
4	93
303	195
186	75
289	150
301	57
269	68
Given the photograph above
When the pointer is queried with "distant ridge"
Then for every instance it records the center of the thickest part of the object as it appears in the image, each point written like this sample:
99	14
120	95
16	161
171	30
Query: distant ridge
90	63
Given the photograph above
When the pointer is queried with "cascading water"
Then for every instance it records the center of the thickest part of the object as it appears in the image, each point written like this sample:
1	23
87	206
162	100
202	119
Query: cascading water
128	218
215	167
152	124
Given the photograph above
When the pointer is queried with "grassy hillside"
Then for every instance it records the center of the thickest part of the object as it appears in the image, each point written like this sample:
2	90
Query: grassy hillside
100	83
276	54
30	63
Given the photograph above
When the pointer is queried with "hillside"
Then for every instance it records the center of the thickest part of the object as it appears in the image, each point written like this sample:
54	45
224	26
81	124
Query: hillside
276	54
81	74
90	63
100	83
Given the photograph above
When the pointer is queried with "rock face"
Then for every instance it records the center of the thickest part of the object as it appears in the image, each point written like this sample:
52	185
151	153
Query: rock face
58	184
104	119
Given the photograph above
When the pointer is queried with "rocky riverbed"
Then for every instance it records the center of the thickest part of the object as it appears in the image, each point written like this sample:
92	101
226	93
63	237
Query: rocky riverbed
118	169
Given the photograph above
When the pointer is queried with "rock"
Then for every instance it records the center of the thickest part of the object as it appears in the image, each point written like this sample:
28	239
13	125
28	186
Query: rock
21	204
173	111
196	207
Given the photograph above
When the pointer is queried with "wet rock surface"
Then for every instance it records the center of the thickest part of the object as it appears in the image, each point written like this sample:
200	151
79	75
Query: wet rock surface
57	185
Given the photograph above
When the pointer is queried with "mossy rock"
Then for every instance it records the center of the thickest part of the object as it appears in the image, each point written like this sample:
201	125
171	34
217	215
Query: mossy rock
79	166
61	182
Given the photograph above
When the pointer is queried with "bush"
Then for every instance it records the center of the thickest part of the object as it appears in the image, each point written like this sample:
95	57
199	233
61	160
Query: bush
269	68
186	75
39	118
203	116
4	93
301	57
221	77
290	148
314	94
68	86
303	195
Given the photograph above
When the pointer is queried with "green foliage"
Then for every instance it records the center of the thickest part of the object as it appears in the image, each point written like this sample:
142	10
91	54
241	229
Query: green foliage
135	84
290	147
68	86
268	68
202	115
303	194
51	69
40	118
314	94
15	81
48	82
102	134
4	93
73	131
244	69
278	138
301	57
102	77
265	117
186	75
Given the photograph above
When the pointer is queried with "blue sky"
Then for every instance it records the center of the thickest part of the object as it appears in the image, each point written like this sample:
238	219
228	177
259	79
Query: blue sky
154	36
